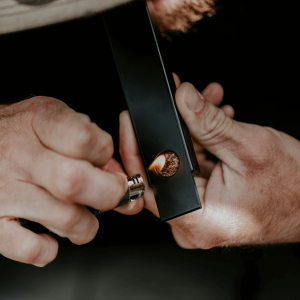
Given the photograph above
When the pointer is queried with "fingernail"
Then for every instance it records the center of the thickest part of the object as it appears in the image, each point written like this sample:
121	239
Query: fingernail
208	90
194	99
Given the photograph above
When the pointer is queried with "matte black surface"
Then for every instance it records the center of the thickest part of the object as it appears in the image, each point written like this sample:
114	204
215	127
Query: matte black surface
151	106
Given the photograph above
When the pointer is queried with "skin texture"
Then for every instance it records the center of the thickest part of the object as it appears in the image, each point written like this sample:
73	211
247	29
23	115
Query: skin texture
251	196
52	160
53	163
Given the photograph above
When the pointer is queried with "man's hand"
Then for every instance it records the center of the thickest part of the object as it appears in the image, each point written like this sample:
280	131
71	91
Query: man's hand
252	195
50	159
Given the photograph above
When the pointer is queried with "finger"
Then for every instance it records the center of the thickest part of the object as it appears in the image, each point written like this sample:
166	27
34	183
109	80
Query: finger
132	160
113	167
209	126
73	221
228	110
62	129
177	80
73	180
214	93
131	208
20	244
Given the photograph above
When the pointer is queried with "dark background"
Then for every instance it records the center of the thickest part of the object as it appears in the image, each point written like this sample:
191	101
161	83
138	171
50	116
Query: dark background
251	48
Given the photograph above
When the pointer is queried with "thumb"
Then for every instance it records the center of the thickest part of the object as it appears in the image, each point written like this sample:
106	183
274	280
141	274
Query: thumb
208	125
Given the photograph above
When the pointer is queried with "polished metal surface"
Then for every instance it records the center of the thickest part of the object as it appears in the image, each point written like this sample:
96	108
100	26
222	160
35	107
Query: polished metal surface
136	187
136	190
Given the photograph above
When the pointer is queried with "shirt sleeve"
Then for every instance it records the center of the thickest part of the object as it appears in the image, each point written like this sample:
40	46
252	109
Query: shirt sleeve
17	15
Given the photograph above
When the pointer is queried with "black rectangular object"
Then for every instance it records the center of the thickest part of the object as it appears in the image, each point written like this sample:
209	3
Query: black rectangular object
149	91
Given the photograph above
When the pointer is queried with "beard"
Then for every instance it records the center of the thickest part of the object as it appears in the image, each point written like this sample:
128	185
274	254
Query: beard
180	15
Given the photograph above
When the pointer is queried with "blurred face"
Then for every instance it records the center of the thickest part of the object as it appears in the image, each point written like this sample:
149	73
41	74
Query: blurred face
181	15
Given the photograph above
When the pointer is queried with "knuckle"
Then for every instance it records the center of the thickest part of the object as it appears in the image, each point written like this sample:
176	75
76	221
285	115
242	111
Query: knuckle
30	251
40	107
216	124
69	180
106	148
84	140
112	192
41	103
89	234
83	117
70	217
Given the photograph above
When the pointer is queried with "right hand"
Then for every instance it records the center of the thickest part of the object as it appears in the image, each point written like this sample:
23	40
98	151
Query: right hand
50	159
